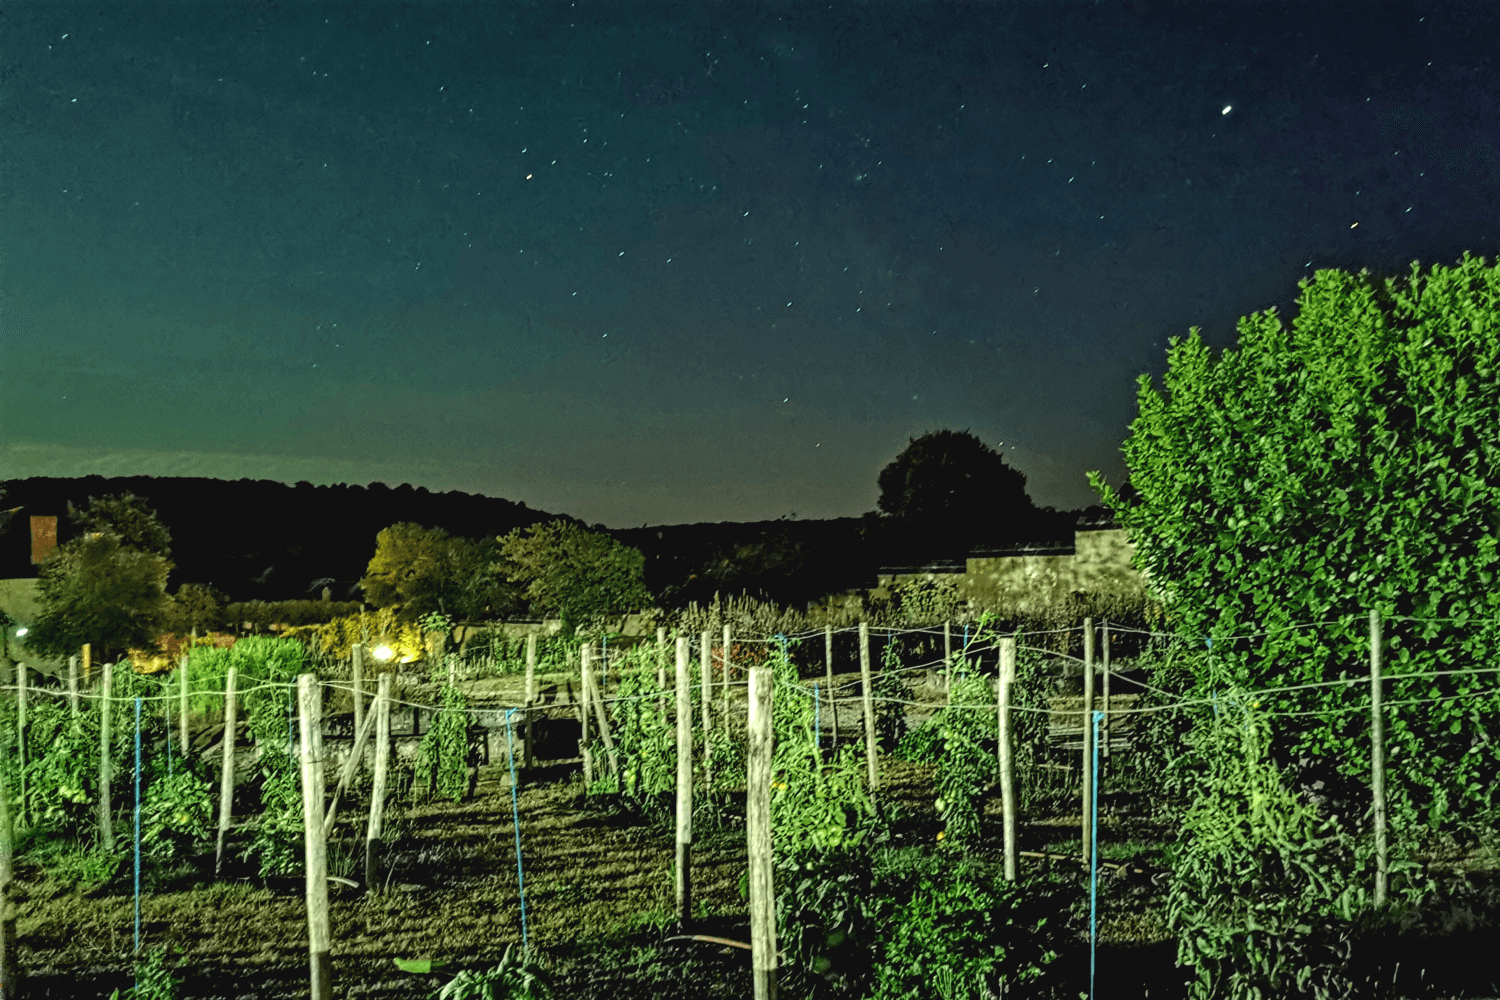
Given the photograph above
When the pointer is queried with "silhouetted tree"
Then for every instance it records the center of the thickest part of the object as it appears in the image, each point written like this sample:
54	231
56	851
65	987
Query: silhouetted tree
948	492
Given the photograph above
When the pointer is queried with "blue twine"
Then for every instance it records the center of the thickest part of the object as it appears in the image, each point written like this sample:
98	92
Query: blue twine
515	814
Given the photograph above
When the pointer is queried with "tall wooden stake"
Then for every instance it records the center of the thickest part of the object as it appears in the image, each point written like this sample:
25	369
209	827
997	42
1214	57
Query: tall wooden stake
758	836
869	704
684	787
319	933
106	825
530	692
1088	733
377	793
833	709
226	781
1007	766
705	690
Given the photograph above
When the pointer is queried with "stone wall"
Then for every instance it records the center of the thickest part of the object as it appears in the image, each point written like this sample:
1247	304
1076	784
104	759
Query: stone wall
1098	561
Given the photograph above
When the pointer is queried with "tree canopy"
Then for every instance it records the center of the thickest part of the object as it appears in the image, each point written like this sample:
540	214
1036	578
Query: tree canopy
417	571
948	491
127	517
1317	473
95	589
580	576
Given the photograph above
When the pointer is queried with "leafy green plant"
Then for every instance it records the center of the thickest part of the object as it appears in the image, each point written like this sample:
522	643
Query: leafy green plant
152	980
923	745
84	868
1317	473
267	668
966	769
874	918
515	978
891	692
442	759
1266	896
960	916
177	811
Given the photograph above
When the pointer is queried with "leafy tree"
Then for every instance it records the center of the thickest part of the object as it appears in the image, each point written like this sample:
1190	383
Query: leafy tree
578	575
950	491
198	606
744	567
483	589
128	518
420	571
1348	464
95	589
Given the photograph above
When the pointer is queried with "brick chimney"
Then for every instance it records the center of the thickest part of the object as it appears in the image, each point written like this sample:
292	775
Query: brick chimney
43	538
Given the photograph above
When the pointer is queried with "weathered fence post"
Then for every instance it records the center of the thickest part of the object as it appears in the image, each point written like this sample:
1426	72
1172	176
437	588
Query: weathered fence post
106	825
530	692
684	787
869	703
1007	768
315	848
377	793
833	705
1088	733
758	836
226	782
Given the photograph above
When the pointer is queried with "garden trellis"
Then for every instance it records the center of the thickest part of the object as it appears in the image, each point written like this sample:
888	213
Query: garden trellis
763	689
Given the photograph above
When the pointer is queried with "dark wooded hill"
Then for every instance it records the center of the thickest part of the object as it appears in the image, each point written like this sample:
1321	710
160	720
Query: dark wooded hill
265	540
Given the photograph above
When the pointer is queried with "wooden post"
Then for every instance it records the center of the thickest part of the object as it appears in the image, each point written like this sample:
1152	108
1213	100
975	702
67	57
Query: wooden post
377	793
357	666
106	827
832	704
347	775
869	703
1088	732
726	678
583	714
319	932
948	660
661	672
530	691
1104	723
758	836
86	661
182	709
706	671
10	966
73	683
226	782
1377	759
21	683
597	699
684	788
1007	766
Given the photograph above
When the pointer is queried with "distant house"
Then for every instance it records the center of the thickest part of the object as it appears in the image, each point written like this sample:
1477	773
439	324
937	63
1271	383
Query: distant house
18	599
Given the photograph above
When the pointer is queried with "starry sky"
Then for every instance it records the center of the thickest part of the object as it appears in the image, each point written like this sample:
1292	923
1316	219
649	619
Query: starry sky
660	263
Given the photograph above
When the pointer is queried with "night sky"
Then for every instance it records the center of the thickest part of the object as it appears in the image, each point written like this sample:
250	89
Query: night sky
666	263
